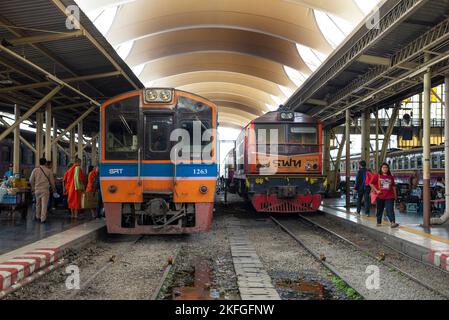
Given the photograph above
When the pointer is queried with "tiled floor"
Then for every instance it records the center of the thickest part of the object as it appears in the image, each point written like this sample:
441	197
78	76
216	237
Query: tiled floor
16	232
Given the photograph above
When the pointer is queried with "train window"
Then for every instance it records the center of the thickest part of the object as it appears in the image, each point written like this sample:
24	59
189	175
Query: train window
121	129
160	128
302	135
6	153
400	164
442	161
372	164
434	161
406	164
266	133
419	162
413	163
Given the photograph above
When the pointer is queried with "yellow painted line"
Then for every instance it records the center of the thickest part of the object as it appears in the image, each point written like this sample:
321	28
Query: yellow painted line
404	228
427	235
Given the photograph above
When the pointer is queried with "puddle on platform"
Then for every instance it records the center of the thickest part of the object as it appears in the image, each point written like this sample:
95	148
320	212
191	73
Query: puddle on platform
300	289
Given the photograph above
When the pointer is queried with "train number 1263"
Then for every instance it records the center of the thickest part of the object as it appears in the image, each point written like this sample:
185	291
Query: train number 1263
199	171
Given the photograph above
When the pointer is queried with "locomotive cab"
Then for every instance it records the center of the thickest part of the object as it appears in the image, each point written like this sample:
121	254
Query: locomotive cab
158	166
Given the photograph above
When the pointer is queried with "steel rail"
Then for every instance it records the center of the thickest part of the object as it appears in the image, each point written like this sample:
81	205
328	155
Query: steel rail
315	255
368	253
167	271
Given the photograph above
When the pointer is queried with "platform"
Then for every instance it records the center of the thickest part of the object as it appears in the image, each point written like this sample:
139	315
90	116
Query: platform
16	232
28	262
430	245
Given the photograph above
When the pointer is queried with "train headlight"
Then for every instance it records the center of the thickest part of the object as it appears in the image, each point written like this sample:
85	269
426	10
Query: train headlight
151	95
165	95
287	115
204	189
112	189
158	95
308	166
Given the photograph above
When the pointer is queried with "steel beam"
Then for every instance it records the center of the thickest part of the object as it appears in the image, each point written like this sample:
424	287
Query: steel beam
387	135
45	38
22	139
368	59
75	123
48	124
54	149
68	80
92	39
72	145
32	110
39	136
366	136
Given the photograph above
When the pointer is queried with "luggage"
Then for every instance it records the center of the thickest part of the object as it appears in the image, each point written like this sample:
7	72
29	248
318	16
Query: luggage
89	200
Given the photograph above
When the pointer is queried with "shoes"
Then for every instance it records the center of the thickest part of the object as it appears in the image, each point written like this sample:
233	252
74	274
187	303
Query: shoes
379	225
44	222
394	225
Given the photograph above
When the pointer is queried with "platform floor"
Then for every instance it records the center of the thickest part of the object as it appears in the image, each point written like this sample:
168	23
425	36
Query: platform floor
16	232
435	239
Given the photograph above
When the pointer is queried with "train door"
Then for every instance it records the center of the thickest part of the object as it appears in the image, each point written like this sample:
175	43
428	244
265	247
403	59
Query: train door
157	144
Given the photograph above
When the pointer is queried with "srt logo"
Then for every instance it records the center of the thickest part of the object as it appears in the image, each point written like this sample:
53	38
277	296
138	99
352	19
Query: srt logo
115	171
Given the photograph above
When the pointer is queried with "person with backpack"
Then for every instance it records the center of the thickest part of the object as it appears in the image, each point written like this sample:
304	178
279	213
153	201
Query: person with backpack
362	188
384	187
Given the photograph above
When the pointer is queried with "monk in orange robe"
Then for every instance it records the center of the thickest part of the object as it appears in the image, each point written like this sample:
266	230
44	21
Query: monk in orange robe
75	187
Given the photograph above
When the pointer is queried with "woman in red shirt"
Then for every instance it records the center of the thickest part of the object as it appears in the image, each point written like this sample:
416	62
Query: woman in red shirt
383	184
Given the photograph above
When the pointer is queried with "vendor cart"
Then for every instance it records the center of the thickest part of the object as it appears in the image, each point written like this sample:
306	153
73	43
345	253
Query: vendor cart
18	200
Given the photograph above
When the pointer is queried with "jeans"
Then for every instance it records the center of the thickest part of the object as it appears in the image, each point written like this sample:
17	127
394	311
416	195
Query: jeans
389	205
364	195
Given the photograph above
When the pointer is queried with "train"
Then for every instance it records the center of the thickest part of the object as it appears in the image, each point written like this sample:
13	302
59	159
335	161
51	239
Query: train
277	163
158	162
403	164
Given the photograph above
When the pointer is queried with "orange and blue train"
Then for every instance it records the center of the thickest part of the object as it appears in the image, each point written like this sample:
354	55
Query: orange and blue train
158	165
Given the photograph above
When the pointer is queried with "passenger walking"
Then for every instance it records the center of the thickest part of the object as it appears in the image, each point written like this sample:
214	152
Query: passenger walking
65	187
75	188
383	184
42	184
362	189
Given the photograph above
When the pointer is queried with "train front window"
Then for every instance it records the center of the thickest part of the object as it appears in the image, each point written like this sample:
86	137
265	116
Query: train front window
270	134
434	162
121	129
303	135
160	133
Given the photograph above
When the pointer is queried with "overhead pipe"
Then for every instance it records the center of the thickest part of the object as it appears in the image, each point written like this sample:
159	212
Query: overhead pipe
445	217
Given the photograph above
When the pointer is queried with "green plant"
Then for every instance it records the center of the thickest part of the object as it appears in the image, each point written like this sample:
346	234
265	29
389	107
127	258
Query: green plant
342	286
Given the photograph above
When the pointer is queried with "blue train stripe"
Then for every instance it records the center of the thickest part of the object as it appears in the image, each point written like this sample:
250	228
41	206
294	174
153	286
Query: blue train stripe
157	170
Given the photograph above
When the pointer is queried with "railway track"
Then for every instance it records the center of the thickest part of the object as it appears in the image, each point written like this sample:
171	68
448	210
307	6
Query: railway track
366	254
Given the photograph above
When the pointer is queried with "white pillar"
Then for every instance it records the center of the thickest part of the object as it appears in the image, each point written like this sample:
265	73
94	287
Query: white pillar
94	152
16	153
366	136
72	146
348	158
48	132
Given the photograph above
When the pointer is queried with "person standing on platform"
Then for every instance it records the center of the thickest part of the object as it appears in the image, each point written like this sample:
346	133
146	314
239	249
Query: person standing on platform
65	187
383	184
362	189
8	174
75	186
42	183
92	187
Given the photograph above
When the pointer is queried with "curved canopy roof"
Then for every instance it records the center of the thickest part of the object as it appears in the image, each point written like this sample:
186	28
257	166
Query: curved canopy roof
245	55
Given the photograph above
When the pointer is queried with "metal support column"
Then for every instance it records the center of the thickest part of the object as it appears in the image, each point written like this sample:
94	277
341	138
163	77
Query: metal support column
338	161
426	146
16	153
39	137
55	149
94	151
48	124
366	136
348	158
376	156
80	142
327	151
445	216
72	146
